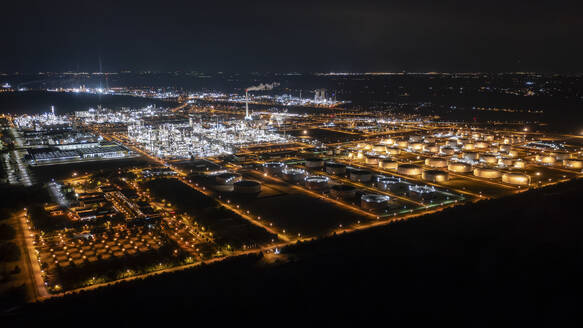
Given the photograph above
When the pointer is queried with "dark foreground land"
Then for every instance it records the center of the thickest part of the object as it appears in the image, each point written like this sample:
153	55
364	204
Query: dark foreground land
513	260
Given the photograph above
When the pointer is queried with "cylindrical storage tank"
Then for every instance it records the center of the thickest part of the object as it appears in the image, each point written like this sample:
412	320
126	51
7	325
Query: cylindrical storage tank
409	169
431	148
465	141
316	182
489	158
481	145
512	153
371	160
545	159
335	168
343	191
435	162
414	139
561	156
293	175
487	173
573	163
519	164
435	176
380	148
227	178
391	183
471	155
388	141
506	161
447	150
374	201
388	164
273	167
416	146
314	163
516	179
393	151
459	167
360	176
402	144
247	187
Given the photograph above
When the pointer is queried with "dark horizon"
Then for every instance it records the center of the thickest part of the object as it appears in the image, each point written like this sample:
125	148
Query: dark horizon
328	36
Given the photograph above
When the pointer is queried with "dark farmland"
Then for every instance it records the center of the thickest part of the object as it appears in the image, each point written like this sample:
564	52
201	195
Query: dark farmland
512	260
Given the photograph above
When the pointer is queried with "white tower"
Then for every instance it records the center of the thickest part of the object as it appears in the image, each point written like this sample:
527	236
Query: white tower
53	110
247	116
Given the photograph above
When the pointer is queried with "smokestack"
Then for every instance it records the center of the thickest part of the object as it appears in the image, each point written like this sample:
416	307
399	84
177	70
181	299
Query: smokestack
260	87
247	117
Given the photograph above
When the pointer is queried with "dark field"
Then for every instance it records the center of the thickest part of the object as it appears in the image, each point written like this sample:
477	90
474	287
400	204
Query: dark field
43	174
227	226
514	260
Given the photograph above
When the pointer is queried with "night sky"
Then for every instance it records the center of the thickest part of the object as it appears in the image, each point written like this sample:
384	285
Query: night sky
284	36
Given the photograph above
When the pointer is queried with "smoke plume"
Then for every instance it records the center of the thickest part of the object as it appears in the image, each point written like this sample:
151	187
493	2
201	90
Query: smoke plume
262	87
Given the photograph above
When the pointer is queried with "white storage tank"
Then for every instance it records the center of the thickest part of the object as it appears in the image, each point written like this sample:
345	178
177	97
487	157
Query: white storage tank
415	138
487	173
316	182
489	158
505	161
393	151
471	155
374	201
402	144
293	175
435	176
516	179
273	168
435	162
459	167
227	178
392	183
371	160
388	141
409	169
481	145
519	164
380	148
416	146
573	163
447	150
388	164
545	159
431	148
